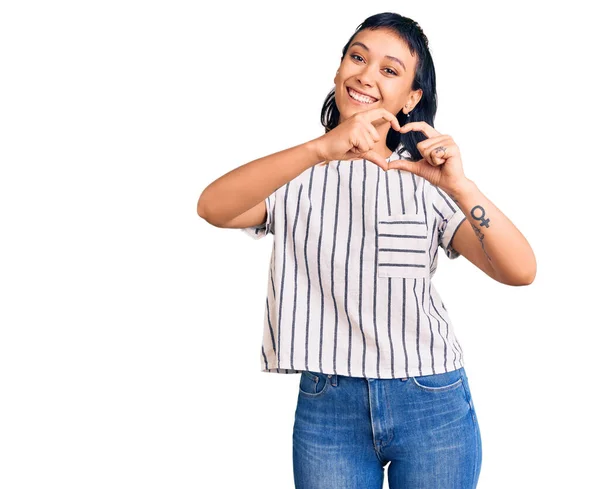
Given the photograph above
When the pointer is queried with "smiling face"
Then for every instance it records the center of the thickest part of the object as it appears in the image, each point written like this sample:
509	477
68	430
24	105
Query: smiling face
378	64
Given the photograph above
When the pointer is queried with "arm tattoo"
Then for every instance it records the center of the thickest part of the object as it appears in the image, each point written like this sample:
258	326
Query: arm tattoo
484	222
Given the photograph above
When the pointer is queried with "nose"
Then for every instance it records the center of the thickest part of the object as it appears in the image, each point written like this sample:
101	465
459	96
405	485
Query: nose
367	76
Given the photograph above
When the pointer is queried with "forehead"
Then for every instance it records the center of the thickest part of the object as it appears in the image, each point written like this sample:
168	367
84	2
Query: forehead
383	42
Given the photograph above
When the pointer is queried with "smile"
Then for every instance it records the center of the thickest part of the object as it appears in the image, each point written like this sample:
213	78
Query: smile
363	99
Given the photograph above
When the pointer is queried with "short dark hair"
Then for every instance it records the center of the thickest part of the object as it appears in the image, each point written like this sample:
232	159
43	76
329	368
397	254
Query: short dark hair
424	79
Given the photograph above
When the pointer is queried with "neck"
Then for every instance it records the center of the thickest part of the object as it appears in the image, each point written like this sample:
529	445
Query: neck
387	152
383	150
380	146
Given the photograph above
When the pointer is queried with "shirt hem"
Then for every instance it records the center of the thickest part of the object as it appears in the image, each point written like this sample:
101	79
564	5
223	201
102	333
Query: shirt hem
414	372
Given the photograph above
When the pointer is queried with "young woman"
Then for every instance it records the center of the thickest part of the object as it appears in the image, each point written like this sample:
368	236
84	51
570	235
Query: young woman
357	216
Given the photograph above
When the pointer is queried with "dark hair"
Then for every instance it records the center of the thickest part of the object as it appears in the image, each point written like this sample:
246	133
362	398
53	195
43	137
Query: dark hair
409	31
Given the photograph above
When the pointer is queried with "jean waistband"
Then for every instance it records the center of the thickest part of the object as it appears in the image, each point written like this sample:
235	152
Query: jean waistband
333	378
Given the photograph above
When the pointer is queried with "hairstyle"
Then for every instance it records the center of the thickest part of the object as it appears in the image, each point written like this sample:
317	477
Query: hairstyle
409	31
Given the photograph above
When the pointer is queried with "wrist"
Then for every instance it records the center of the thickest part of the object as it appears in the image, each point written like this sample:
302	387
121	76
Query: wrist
464	187
314	147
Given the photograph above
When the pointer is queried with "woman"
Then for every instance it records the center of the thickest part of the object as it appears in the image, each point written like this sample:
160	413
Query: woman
350	302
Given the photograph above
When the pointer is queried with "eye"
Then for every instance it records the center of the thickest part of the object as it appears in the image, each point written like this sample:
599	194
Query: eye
360	58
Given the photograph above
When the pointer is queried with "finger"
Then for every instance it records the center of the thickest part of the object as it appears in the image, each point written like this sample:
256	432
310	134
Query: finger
429	143
420	126
351	156
355	141
376	158
365	139
437	159
380	116
373	132
407	165
362	143
437	153
440	153
443	156
369	139
426	147
427	156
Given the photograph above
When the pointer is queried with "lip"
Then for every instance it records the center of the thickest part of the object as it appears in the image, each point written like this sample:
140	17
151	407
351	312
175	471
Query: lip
362	93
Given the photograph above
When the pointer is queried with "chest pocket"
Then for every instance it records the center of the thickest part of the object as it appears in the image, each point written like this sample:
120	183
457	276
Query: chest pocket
402	249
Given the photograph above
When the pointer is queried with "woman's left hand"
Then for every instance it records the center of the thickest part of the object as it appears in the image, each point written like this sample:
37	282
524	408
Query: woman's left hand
441	164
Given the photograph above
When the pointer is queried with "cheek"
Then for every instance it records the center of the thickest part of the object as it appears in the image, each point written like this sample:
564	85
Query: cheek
337	95
395	95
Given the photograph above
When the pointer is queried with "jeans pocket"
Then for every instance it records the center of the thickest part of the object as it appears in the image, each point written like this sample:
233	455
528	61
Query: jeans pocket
468	391
313	384
439	382
402	246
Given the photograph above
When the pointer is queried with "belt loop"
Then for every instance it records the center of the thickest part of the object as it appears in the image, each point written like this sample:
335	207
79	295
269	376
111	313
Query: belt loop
333	379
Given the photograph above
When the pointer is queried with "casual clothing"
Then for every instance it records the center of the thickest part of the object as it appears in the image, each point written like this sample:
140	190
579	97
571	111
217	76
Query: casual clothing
349	287
347	429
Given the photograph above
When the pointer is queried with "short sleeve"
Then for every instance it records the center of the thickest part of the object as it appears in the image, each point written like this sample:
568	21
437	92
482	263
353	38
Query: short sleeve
268	226
450	217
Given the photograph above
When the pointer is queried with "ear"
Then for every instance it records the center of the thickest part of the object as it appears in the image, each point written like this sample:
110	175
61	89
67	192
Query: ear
415	96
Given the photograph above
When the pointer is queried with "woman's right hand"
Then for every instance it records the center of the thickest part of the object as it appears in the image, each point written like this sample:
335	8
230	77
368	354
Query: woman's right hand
355	138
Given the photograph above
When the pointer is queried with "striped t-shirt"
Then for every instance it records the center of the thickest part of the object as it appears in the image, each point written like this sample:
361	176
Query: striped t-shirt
349	286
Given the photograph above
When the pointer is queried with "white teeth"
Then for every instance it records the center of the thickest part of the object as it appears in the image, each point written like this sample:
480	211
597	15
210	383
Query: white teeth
360	98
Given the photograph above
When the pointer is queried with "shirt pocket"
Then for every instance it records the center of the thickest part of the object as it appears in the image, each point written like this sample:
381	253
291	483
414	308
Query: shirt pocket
402	246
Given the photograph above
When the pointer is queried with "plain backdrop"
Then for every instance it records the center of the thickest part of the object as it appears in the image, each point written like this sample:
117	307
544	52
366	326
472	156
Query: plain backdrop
131	329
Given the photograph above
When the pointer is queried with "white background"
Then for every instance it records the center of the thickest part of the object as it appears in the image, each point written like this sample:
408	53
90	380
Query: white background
131	328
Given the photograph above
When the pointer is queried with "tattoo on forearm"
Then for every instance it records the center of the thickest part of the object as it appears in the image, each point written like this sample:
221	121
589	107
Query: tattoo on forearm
484	222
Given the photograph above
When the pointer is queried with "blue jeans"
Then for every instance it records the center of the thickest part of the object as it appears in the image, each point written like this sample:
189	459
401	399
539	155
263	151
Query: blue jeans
347	429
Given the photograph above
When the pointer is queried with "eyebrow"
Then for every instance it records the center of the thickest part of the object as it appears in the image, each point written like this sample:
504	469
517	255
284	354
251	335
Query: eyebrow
358	43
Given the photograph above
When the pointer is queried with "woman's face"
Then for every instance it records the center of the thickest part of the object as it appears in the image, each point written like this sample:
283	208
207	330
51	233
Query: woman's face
379	65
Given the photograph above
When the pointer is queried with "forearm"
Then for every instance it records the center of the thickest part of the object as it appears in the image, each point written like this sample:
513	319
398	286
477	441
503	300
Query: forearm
245	186
506	249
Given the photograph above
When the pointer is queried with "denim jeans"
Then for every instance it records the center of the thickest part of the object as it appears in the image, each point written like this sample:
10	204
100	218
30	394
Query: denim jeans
347	429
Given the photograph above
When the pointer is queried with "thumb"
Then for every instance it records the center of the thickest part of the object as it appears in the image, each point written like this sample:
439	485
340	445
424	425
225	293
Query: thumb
407	165
376	158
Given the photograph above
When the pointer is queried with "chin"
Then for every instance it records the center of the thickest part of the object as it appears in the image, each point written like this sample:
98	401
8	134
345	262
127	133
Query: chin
347	112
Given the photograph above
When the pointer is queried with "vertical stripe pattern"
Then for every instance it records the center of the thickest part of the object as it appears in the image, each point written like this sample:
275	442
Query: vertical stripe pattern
349	289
